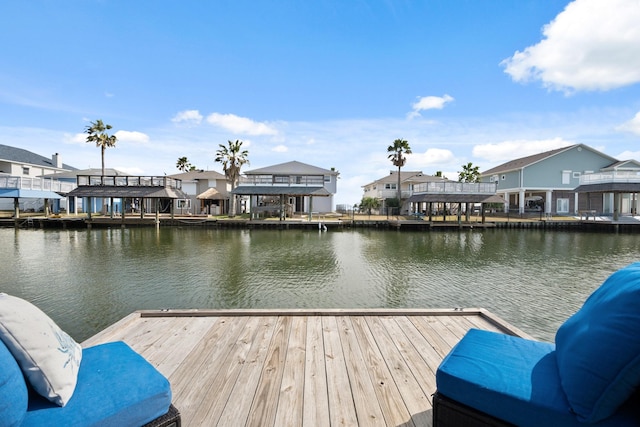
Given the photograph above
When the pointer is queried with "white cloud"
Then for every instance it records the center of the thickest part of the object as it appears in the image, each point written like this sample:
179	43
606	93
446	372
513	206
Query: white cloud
628	155
632	126
132	136
591	45
76	138
510	150
432	157
188	116
280	149
429	103
240	125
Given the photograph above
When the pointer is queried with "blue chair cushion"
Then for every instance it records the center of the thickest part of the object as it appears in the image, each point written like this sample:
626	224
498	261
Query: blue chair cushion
13	389
598	348
116	387
513	379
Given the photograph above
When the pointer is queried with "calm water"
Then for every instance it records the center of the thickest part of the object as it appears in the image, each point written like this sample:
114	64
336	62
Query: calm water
88	279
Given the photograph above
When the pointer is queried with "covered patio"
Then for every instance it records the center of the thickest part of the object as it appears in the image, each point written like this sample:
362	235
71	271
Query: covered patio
275	198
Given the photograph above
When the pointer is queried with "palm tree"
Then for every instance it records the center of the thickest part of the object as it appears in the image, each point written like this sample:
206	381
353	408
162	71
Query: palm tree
399	147
183	165
98	133
369	203
232	158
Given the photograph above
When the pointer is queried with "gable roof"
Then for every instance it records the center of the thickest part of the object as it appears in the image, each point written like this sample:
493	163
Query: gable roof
20	155
198	174
407	176
291	168
530	160
626	165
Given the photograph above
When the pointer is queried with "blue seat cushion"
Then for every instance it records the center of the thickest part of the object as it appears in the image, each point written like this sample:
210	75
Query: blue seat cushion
599	347
13	390
513	379
116	387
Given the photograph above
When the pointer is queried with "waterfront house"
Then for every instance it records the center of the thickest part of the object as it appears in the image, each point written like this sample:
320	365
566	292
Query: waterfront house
387	187
612	190
23	187
289	188
208	192
547	182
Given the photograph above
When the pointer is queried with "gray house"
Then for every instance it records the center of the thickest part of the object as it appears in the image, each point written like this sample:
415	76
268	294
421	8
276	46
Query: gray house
289	188
547	182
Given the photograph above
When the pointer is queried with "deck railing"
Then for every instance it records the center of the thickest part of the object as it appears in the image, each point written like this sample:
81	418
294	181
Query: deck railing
35	183
283	180
129	181
610	177
455	187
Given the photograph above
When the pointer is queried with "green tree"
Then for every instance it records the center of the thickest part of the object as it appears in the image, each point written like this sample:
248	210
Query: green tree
184	165
97	132
232	157
397	149
369	203
469	173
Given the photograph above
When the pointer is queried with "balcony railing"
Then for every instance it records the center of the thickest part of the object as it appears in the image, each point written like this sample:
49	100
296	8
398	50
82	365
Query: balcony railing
451	187
129	181
42	184
283	180
610	177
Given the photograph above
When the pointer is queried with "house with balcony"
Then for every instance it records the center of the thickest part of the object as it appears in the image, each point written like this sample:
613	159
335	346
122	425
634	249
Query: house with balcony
611	191
25	182
387	187
548	182
207	192
287	189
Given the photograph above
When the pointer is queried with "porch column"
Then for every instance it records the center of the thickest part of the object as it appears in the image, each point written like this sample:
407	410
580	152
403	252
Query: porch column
75	205
521	201
16	207
575	203
616	206
547	202
310	207
506	205
90	206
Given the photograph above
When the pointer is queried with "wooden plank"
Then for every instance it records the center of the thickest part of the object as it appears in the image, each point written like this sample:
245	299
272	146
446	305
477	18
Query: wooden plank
263	409
368	410
194	376
241	398
426	325
341	406
216	395
113	332
393	344
316	398
178	347
290	402
390	400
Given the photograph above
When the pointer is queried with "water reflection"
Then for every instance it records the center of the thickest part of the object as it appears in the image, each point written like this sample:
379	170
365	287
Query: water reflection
87	279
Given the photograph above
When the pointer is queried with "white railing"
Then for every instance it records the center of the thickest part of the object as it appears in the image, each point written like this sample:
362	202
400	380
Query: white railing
455	187
609	177
43	184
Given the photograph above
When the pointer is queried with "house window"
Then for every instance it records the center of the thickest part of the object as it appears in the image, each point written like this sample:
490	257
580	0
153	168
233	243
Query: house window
281	179
503	177
576	174
562	205
390	187
566	177
25	170
327	178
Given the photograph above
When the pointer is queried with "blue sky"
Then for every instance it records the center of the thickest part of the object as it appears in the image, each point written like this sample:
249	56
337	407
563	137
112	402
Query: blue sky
329	83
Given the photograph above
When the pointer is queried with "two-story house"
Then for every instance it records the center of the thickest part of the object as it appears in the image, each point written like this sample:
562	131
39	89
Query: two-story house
547	181
289	188
387	187
207	191
23	185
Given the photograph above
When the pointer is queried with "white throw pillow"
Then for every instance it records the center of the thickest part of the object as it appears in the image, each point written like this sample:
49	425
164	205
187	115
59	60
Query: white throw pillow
48	356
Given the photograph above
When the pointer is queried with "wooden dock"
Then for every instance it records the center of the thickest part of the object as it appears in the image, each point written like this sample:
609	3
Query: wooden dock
300	367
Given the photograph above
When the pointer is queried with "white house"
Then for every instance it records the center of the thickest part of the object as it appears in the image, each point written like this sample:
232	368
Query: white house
208	192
